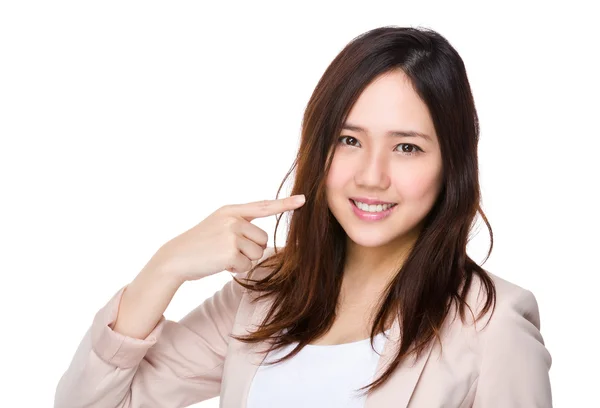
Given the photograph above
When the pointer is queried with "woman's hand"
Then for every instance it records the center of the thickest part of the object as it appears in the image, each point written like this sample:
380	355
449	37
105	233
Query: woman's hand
225	240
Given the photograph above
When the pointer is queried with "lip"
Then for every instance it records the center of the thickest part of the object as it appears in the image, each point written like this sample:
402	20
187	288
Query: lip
367	216
369	201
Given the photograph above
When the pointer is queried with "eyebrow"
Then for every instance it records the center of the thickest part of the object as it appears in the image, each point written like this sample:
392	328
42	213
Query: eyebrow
392	133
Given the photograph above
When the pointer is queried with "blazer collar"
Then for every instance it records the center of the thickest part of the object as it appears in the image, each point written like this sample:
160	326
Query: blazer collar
244	359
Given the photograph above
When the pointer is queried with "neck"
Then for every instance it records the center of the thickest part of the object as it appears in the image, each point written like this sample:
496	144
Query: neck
368	272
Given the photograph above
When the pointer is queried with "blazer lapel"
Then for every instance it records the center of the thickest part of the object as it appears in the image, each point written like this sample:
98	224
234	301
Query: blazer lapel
244	359
396	392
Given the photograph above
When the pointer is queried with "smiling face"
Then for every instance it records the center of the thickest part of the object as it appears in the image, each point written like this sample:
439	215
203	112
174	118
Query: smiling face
371	161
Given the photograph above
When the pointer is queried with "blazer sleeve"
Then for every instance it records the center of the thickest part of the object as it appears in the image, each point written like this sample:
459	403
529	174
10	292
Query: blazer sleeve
176	365
515	362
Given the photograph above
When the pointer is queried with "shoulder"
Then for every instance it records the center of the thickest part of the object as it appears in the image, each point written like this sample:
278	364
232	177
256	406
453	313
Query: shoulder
508	333
511	300
514	363
512	316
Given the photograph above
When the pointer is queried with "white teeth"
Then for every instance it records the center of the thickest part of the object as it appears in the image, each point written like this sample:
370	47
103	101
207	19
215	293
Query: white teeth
372	207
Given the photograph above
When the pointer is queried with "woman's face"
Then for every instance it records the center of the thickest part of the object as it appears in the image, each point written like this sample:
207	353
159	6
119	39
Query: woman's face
373	163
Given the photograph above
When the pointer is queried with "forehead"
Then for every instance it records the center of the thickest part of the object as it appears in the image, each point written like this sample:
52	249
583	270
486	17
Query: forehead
391	103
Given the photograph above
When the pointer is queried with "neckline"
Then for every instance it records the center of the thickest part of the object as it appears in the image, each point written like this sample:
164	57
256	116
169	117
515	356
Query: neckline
357	342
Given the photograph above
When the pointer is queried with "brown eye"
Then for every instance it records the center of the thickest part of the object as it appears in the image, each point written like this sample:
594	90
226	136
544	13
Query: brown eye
409	149
351	140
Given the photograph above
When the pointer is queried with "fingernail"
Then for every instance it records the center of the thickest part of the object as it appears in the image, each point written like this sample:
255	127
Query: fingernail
299	199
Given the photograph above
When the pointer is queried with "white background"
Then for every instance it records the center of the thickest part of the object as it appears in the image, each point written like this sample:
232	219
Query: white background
123	124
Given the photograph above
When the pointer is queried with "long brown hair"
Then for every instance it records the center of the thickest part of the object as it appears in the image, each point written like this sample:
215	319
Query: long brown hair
306	274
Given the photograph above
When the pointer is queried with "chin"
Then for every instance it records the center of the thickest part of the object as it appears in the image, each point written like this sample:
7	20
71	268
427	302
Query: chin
372	239
369	242
378	235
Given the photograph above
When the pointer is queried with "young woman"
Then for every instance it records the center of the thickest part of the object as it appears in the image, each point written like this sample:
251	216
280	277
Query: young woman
373	302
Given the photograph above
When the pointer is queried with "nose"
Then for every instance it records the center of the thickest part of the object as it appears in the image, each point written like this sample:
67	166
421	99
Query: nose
372	172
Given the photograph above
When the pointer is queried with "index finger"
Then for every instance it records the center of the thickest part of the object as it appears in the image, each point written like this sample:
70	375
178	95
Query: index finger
265	208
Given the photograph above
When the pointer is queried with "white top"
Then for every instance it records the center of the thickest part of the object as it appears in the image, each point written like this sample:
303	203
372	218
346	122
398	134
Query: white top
318	376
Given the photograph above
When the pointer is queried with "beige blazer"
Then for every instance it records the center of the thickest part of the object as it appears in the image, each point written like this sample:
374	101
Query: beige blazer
504	365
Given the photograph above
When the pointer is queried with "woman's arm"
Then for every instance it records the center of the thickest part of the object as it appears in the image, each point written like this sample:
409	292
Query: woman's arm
144	302
175	365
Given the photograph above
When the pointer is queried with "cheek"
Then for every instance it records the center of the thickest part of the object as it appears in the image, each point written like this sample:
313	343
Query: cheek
339	174
418	186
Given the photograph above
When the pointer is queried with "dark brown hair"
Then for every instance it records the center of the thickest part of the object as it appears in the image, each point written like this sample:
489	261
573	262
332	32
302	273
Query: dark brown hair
306	274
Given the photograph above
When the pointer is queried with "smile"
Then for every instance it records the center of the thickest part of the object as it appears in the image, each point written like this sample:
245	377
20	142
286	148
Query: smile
372	207
372	212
